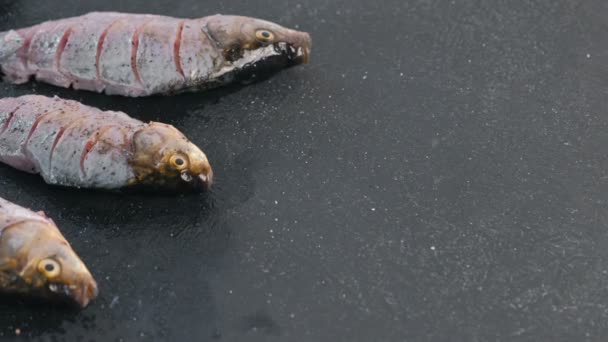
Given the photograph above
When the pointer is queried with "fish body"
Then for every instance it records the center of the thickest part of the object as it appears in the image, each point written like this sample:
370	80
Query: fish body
141	55
70	144
35	258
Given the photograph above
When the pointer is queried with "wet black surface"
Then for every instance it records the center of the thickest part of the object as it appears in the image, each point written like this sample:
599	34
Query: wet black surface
437	173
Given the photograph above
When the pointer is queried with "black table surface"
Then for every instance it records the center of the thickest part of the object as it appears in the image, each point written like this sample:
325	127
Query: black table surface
437	173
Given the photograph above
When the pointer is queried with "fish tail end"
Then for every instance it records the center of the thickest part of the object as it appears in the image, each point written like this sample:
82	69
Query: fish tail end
10	42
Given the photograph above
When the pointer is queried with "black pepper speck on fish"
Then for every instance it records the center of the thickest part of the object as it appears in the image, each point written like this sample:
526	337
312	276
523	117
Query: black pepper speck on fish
36	260
141	55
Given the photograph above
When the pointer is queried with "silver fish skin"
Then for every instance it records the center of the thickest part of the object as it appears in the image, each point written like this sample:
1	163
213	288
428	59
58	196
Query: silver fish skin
70	144
141	55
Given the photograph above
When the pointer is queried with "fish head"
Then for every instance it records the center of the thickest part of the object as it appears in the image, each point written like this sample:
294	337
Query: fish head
51	267
164	158
250	45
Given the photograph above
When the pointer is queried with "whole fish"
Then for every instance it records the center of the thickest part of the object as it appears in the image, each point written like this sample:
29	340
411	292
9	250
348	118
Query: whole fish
71	144
140	55
35	258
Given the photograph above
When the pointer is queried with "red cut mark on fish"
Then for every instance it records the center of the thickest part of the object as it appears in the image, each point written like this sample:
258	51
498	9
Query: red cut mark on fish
127	144
60	134
177	47
134	47
61	47
24	53
35	125
11	115
8	122
93	140
102	39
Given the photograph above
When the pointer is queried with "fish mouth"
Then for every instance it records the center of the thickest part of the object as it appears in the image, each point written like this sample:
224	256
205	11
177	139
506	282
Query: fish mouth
303	48
304	54
295	53
299	55
198	182
81	294
183	182
263	62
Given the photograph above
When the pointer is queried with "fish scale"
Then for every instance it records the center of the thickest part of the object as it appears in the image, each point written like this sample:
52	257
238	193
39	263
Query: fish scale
42	139
46	46
79	57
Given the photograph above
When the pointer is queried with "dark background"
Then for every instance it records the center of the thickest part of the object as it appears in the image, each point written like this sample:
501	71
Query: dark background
438	173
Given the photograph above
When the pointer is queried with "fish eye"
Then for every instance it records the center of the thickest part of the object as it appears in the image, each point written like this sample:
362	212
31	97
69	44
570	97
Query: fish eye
178	161
264	36
49	267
